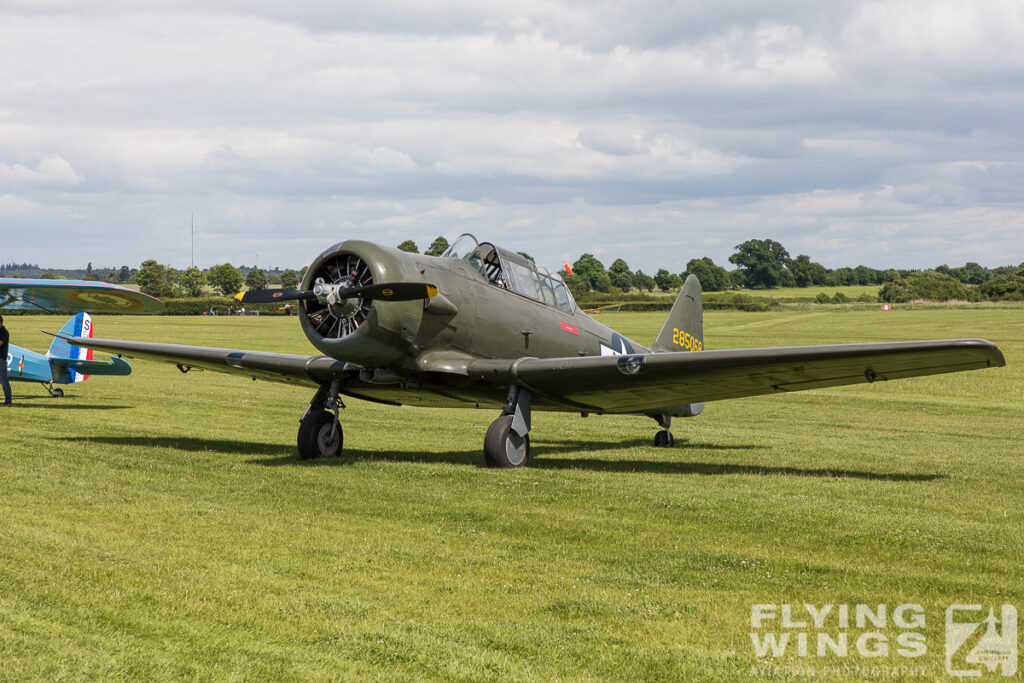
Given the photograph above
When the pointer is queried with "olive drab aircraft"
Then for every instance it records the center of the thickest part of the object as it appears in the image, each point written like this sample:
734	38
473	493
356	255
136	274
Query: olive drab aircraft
64	363
483	327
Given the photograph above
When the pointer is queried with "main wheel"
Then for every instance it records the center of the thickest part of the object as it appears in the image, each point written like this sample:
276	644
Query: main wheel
663	439
57	393
503	447
315	436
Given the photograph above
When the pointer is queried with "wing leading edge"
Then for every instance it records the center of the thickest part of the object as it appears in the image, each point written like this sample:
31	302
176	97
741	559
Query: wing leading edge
660	380
621	384
274	367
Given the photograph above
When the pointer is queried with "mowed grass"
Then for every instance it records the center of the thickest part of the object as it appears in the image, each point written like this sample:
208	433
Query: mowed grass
161	526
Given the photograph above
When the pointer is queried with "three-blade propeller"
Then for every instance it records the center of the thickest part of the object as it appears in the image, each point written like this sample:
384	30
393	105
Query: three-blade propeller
389	291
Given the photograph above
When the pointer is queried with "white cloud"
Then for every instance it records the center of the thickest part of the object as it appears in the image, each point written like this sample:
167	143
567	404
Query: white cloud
51	171
852	130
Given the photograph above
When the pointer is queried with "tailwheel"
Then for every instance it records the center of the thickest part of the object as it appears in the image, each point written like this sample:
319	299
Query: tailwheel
664	439
503	447
320	435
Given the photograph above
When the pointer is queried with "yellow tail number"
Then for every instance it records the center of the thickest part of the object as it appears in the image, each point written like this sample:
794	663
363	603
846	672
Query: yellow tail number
686	340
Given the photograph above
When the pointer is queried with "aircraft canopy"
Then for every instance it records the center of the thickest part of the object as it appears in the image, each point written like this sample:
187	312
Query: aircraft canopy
509	270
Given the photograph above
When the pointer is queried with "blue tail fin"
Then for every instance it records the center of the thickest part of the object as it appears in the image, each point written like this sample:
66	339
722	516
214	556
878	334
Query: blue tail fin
60	350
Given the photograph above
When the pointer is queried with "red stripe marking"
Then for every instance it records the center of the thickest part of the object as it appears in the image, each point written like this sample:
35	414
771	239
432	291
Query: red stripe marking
571	329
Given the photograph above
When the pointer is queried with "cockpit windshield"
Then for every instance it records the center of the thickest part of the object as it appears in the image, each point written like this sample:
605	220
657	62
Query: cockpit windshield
512	271
465	245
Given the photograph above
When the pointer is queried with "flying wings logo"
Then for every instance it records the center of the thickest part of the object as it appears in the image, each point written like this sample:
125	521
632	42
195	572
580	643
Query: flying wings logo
618	346
972	647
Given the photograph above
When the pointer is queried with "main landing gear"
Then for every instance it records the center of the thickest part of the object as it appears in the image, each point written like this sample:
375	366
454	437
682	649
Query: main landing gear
320	433
507	444
664	439
54	392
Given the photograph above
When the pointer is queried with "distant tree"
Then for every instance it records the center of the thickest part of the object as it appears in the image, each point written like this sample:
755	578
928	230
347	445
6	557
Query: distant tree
125	274
409	246
667	281
712	278
845	276
1004	287
47	276
437	247
154	279
290	279
592	273
642	281
526	256
89	275
192	281
762	262
930	285
865	275
256	279
972	274
803	270
225	278
620	275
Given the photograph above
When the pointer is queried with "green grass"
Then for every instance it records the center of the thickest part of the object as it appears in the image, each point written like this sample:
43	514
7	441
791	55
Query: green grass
161	526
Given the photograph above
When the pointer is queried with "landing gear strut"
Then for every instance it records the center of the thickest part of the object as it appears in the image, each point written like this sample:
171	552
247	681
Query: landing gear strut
320	433
507	444
54	393
664	439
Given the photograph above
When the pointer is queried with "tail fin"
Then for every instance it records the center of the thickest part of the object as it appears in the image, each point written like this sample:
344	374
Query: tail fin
684	328
61	351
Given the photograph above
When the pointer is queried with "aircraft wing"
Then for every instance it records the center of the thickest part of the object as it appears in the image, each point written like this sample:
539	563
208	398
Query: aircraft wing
650	381
273	367
17	294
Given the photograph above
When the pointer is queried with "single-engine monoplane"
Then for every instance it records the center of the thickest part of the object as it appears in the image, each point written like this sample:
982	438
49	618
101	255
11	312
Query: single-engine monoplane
483	327
63	363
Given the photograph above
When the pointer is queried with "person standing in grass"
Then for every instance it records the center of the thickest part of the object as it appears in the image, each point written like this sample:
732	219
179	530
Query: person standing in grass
5	338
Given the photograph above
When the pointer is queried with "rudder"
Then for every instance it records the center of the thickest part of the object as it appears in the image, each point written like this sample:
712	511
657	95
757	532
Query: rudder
60	350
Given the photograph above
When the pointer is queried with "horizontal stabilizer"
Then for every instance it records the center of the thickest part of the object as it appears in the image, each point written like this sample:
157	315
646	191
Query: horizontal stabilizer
115	366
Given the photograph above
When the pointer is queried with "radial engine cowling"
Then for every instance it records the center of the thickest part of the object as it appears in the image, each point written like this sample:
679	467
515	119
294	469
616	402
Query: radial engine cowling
363	332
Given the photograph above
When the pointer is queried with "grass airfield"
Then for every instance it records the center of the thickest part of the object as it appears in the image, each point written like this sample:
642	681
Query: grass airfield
161	526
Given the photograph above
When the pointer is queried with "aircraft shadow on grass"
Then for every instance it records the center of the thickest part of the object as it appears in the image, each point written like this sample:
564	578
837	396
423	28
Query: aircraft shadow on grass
66	403
283	455
543	461
190	445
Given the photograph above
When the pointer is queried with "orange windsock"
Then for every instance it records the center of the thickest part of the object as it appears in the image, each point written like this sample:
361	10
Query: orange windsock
565	264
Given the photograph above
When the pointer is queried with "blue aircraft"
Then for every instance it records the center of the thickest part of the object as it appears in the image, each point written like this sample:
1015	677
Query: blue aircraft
63	363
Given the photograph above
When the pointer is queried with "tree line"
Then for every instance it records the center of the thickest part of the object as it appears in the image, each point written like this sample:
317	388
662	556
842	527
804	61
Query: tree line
758	264
766	264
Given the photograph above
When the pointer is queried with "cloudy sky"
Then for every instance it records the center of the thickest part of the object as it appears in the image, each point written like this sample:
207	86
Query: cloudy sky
885	133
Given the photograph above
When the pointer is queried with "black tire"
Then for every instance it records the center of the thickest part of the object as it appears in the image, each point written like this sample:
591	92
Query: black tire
664	439
314	436
503	448
57	393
